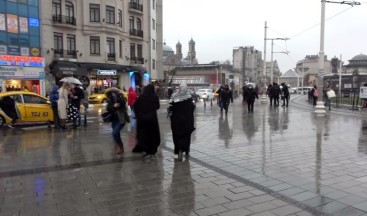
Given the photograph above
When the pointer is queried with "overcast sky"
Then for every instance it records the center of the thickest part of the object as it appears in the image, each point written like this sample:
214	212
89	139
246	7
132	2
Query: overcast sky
217	26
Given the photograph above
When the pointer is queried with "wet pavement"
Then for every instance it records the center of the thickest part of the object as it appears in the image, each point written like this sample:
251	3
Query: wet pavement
275	161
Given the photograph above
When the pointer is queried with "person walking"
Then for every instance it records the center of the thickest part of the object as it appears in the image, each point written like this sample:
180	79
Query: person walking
76	96
327	88
269	92
181	112
118	107
285	95
251	95
244	94
226	97
131	99
276	93
9	106
62	104
315	95
54	97
148	135
85	100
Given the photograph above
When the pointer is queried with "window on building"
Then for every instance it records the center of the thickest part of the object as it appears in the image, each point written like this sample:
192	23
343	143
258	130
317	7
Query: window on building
111	45
132	51
120	18
153	64
140	51
120	48
131	22
153	4
70	44
94	12
153	44
58	45
69	7
153	24
56	8
138	24
94	45
110	15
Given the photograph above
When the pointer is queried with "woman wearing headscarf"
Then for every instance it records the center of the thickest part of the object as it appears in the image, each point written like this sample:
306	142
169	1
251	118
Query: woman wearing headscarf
118	107
147	133
62	104
181	112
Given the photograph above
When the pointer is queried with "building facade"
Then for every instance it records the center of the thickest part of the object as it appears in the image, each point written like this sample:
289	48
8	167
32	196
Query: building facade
103	43
21	64
248	61
309	68
357	64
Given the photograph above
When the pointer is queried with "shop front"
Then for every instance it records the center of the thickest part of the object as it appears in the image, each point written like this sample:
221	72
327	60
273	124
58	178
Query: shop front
22	73
62	69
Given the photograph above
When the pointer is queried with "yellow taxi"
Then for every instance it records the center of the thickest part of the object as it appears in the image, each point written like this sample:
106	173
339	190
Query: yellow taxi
30	107
101	97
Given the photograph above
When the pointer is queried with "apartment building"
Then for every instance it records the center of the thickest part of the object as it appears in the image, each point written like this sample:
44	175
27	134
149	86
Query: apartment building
247	60
104	43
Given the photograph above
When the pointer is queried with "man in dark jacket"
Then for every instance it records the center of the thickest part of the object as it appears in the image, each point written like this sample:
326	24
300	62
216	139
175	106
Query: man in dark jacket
285	95
269	92
276	93
251	95
225	97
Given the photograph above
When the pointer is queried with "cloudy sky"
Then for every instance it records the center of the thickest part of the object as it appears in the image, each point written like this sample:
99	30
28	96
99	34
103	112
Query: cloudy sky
218	26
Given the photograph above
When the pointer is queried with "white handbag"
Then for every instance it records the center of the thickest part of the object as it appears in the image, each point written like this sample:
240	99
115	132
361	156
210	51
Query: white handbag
330	93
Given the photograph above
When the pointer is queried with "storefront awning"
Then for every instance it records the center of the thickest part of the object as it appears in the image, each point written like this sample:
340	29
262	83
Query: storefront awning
67	68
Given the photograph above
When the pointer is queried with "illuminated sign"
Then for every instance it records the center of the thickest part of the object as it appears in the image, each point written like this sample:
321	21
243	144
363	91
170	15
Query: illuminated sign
34	22
24	61
106	72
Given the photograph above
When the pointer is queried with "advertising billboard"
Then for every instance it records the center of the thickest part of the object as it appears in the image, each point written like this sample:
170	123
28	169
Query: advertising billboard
12	23
23	24
2	22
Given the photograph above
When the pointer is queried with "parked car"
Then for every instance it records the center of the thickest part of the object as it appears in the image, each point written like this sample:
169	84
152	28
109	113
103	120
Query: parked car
206	94
31	108
101	97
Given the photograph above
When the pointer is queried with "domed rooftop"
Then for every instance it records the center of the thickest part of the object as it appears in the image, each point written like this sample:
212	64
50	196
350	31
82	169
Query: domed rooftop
359	57
167	48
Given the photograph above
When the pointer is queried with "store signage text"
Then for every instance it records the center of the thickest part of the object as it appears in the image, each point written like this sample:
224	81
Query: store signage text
24	61
106	72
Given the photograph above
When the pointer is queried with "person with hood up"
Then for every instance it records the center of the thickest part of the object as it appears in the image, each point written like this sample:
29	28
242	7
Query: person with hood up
54	97
251	95
147	133
181	112
118	107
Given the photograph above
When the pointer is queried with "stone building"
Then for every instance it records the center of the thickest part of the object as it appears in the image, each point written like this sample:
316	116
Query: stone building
309	68
103	43
248	61
357	64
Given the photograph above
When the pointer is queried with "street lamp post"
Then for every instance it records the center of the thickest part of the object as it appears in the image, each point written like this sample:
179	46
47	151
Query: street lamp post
320	108
263	98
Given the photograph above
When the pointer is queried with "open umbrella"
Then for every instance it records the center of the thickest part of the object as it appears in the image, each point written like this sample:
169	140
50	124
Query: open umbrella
71	80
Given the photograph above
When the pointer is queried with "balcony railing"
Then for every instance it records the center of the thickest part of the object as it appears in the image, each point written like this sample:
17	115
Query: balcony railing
64	19
137	60
136	6
60	53
111	56
137	33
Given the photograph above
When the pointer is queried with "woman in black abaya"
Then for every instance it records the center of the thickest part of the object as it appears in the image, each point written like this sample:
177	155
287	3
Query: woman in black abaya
147	131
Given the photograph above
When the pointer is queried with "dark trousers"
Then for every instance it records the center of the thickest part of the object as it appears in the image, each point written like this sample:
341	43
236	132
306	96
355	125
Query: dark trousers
56	114
250	106
276	101
285	100
271	100
225	105
314	100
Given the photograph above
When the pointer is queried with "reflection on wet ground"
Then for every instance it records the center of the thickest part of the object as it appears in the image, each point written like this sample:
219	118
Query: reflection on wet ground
287	155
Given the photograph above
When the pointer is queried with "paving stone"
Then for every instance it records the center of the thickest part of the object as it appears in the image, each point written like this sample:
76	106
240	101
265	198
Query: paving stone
211	210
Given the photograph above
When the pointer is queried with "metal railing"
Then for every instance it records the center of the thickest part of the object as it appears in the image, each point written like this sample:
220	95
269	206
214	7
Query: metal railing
136	32
136	6
61	53
64	19
111	56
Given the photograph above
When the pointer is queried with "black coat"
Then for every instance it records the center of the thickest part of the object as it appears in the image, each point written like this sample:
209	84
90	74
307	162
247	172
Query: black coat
147	132
251	95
